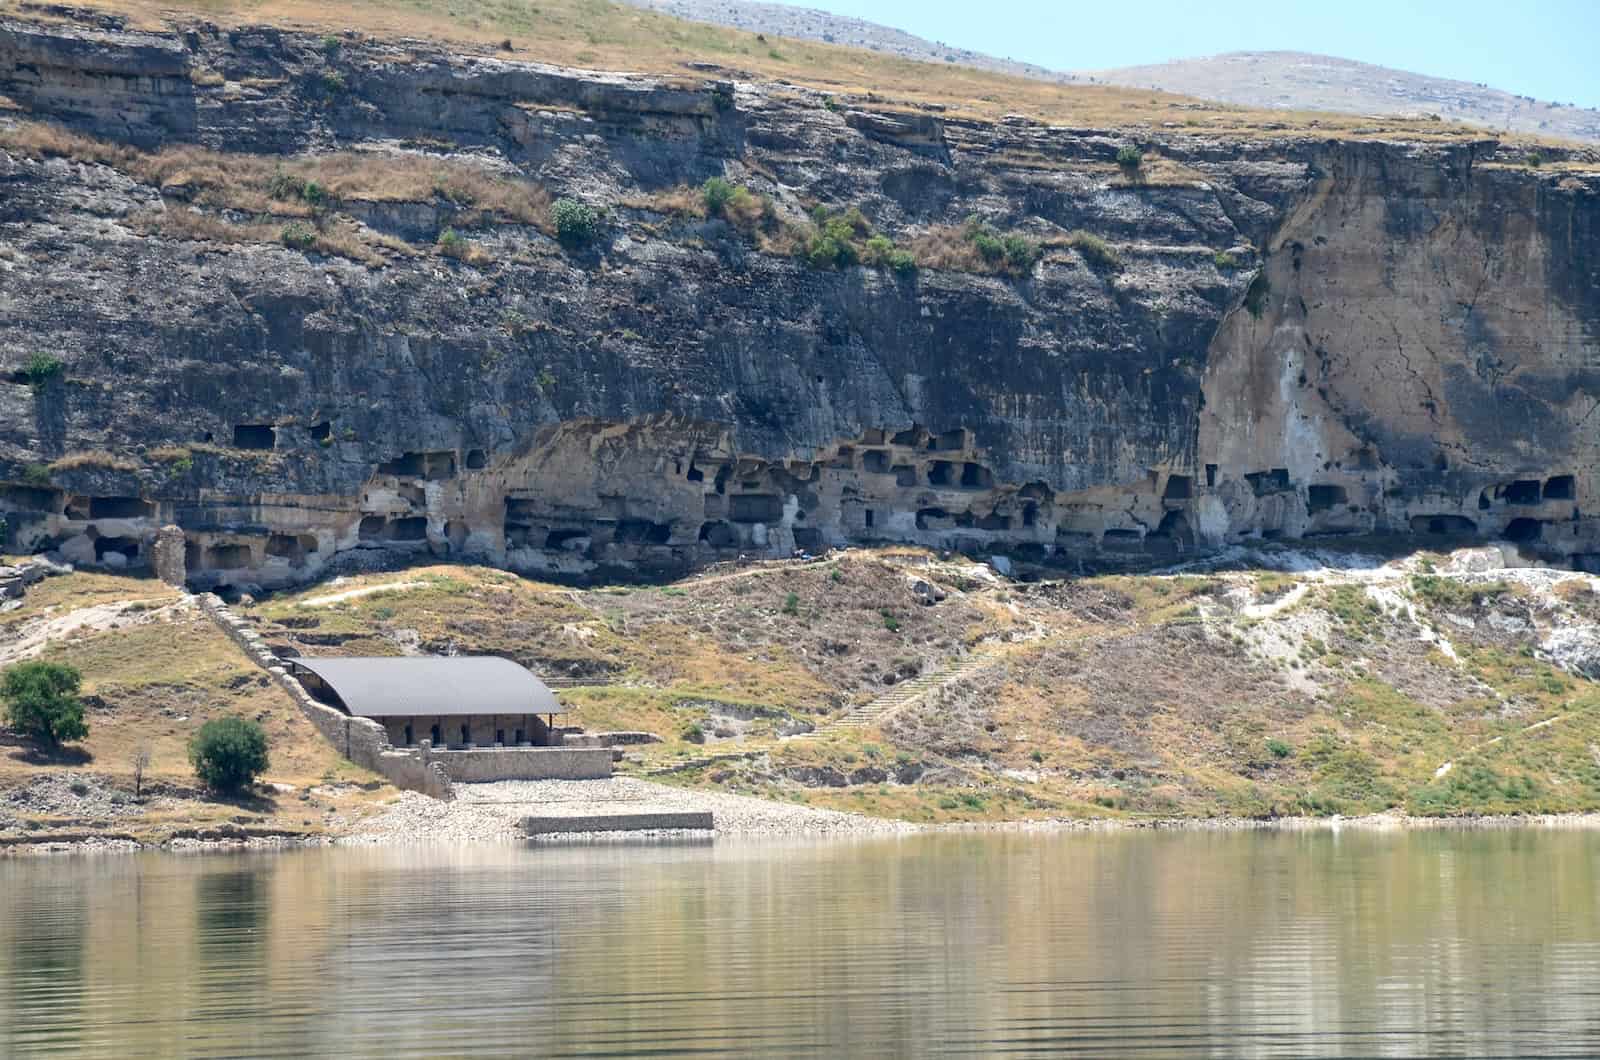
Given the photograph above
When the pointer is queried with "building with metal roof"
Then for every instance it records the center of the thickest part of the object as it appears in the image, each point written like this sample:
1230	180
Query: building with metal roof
449	701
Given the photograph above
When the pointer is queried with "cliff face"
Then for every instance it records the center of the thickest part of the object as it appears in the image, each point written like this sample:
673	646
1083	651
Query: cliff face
1295	337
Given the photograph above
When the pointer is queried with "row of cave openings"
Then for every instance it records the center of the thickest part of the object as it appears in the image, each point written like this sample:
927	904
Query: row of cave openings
432	466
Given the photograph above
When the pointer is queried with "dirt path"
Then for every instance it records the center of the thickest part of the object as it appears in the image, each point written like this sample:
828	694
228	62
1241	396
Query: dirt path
355	594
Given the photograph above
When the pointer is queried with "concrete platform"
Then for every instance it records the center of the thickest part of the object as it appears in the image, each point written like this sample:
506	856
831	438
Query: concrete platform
617	822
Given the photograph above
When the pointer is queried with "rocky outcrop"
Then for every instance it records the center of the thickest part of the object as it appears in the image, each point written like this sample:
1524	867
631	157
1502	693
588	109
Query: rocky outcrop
1289	337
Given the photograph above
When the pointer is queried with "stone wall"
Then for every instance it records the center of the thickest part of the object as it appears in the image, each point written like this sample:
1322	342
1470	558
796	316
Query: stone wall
521	763
618	822
362	741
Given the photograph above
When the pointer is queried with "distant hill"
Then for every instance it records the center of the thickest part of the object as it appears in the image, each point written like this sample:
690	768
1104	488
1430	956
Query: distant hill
1286	80
1301	81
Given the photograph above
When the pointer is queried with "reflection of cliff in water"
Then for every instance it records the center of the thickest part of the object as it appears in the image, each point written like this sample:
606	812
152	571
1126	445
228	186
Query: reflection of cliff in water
1315	942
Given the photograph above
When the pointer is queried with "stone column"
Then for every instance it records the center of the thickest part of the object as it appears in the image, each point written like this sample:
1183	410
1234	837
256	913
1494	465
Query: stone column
167	556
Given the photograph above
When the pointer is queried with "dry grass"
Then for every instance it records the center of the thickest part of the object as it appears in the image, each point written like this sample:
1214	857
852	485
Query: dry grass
94	458
598	34
180	223
681	201
152	678
295	186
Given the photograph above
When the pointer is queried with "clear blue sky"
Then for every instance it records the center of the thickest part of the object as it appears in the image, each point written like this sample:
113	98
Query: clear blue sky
1548	49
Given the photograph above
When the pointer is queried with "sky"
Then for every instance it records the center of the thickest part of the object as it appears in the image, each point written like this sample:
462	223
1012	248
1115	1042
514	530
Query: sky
1548	49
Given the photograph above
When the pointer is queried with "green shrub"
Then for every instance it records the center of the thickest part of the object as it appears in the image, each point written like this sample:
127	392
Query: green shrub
791	604
333	81
716	193
42	702
330	43
36	474
1129	157
298	235
42	369
890	623
1096	252
1279	749
693	733
288	186
1470	788
1008	253
577	224
229	753
450	239
1225	261
1534	158
1448	594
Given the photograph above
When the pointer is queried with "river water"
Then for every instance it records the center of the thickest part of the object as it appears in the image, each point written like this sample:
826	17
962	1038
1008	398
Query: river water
1235	944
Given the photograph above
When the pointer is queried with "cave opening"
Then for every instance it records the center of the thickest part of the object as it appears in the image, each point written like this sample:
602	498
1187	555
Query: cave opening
1263	483
565	538
228	557
1524	492
410	528
127	547
255	436
1524	530
1179	488
719	534
1442	524
1560	488
976	477
755	508
994	521
477	459
642	532
1172	535
1321	498
119	508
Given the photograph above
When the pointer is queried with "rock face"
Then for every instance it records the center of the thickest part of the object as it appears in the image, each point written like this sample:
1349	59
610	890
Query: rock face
1300	338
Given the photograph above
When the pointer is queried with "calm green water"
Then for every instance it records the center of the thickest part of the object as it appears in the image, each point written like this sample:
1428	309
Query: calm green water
1445	943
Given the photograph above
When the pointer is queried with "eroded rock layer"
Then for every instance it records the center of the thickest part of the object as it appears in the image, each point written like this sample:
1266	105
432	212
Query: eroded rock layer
1285	337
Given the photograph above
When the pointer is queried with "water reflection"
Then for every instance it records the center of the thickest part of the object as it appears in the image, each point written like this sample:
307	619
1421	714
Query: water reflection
1231	944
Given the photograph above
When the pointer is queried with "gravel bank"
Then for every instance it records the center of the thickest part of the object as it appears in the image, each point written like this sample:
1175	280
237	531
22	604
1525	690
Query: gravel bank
495	811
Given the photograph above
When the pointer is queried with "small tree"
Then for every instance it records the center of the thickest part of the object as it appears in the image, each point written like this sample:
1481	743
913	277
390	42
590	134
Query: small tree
576	222
42	702
229	753
140	761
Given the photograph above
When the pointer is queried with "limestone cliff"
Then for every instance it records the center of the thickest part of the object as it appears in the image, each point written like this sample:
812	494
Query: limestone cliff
1288	336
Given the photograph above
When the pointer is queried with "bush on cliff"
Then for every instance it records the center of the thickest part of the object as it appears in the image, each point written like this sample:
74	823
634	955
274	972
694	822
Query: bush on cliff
229	753
42	702
576	223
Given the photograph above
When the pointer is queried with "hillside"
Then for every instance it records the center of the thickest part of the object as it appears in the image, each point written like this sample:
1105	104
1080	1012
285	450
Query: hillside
1289	81
1298	81
154	670
569	363
1279	682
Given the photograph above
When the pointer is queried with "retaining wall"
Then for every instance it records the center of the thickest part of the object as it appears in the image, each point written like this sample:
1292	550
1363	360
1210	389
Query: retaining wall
617	822
522	763
362	741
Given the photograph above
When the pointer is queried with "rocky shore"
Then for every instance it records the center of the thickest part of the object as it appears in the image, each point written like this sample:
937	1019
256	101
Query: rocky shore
490	813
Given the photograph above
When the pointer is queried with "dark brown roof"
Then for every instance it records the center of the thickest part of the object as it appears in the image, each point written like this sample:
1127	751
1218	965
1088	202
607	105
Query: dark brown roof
420	686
